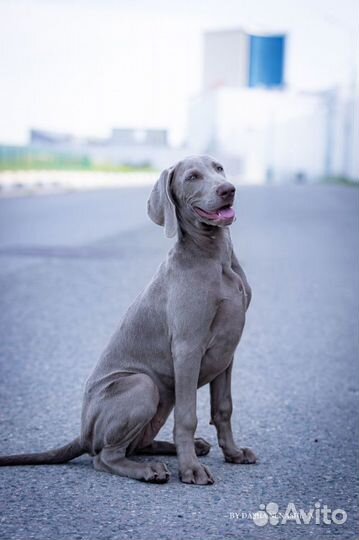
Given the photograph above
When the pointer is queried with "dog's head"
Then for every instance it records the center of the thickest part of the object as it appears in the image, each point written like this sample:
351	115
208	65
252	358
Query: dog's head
194	190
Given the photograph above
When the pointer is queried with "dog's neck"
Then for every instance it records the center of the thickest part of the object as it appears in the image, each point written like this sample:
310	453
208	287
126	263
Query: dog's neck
209	241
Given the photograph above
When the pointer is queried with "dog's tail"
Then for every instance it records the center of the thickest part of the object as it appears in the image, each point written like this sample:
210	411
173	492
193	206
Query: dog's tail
56	456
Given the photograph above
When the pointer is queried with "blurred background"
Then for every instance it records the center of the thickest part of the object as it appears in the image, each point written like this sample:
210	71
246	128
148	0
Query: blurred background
116	87
103	94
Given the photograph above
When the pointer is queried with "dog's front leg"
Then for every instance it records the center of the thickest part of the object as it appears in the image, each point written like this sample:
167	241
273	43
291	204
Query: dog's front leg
221	412
186	368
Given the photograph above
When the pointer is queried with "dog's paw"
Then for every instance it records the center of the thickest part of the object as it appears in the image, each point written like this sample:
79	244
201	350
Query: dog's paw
156	473
196	474
244	456
202	447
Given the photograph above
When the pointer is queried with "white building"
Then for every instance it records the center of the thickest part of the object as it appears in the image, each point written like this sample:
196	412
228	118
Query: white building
263	130
264	135
226	59
343	143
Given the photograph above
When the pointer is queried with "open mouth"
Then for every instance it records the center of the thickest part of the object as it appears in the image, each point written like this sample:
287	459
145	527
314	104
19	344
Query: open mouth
225	213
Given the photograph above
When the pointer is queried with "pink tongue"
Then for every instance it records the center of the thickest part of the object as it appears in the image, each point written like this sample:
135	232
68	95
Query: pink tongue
226	213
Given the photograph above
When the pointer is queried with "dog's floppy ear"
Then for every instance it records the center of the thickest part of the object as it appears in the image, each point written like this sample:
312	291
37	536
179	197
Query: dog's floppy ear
160	205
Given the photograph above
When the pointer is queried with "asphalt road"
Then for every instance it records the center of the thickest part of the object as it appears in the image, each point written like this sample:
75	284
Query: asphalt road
69	267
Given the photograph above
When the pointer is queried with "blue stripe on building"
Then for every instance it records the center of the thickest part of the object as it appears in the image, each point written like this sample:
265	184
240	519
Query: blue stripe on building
266	61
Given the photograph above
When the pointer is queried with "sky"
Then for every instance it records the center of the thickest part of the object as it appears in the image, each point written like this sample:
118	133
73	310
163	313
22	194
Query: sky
87	66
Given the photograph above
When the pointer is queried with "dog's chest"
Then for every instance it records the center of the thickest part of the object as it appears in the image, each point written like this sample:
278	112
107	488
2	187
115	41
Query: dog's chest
226	328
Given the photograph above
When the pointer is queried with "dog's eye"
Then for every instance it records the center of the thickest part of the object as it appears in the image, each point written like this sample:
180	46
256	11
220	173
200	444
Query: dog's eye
219	168
192	176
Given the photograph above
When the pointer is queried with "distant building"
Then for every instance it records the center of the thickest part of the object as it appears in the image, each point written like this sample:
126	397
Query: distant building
41	137
277	135
125	146
265	135
156	137
262	130
238	59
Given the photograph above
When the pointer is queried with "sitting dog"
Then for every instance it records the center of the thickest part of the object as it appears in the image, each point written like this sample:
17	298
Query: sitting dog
180	333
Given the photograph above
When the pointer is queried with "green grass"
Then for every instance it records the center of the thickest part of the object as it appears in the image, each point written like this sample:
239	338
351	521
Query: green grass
63	163
341	181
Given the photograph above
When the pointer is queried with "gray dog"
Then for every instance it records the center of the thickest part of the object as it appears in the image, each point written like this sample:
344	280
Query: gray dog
178	335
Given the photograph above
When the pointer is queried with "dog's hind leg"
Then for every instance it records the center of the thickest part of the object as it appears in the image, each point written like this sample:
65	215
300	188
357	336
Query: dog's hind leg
126	407
202	448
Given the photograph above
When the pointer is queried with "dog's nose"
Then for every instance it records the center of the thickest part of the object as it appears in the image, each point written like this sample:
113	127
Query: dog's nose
226	190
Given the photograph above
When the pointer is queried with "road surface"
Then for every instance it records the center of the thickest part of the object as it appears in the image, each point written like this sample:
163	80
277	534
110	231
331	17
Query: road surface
69	267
